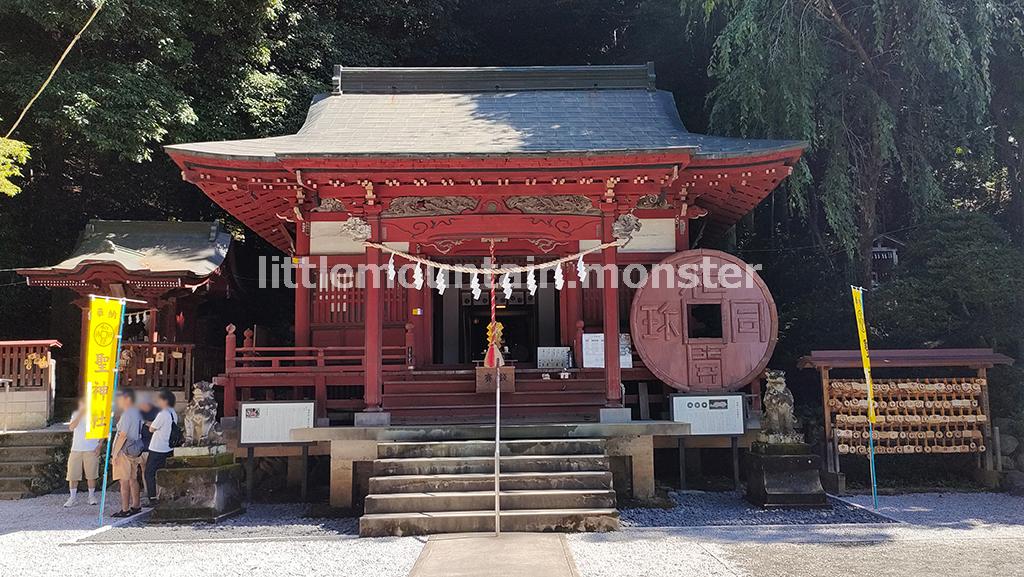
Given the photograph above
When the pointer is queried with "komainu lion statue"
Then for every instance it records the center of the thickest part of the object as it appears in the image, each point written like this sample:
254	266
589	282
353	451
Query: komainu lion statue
200	423
779	423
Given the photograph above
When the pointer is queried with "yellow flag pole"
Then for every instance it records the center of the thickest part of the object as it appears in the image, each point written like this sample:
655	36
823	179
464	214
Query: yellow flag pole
858	308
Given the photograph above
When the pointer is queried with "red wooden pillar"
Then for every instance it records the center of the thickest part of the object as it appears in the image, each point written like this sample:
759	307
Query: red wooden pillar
302	290
83	360
571	310
610	301
373	316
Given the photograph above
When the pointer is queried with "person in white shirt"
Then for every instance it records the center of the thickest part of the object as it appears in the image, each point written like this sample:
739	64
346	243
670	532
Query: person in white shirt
160	445
84	459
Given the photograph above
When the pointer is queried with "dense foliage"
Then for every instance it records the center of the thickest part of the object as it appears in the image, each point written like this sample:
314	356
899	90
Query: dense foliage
914	112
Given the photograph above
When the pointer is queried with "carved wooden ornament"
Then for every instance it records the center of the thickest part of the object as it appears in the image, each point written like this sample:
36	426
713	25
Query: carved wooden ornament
671	332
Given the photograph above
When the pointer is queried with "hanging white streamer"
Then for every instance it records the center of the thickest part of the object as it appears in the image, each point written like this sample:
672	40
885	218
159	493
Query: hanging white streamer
391	268
559	278
581	269
506	285
474	283
440	282
417	277
531	282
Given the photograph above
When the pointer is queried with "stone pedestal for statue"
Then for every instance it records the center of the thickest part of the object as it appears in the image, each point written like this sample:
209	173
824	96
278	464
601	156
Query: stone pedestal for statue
784	475
199	484
781	470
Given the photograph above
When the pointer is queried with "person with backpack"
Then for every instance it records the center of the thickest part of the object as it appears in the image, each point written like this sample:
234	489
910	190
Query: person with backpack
167	435
127	454
144	402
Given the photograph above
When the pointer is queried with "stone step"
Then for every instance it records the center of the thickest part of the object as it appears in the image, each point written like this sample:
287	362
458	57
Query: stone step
14	495
402	387
513	464
35	438
545	415
423	400
406	450
594	480
27	453
482	500
527	520
15	484
21	468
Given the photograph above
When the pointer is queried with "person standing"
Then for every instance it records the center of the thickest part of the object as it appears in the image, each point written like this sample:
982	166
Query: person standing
149	412
127	454
160	445
84	459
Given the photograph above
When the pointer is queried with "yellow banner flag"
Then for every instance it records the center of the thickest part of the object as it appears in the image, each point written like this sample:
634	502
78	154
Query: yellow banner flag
101	352
862	331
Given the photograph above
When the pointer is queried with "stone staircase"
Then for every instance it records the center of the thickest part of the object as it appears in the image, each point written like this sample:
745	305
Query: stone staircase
448	397
25	456
420	488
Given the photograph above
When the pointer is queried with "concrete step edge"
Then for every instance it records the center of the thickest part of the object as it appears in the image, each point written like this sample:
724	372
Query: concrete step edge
511	474
490	513
509	492
482	459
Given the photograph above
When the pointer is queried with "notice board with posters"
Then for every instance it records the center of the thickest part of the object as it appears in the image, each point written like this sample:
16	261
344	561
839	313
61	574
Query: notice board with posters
272	422
710	414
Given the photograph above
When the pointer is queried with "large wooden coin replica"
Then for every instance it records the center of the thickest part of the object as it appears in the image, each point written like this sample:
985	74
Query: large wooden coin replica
695	333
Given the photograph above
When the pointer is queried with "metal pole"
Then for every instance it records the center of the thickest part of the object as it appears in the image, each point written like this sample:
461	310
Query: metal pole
113	397
497	453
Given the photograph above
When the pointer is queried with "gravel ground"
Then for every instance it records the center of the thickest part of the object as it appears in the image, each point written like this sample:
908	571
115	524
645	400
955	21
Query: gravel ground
39	538
699	509
939	535
961	535
279	522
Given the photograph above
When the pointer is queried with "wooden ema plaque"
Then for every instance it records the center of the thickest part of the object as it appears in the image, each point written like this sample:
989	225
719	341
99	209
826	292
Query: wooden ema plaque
914	415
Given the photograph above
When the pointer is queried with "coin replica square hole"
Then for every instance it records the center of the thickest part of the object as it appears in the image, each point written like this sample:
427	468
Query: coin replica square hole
705	321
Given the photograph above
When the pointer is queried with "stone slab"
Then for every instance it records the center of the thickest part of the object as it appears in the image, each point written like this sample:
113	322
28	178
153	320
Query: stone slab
508	555
456	432
617	415
378	419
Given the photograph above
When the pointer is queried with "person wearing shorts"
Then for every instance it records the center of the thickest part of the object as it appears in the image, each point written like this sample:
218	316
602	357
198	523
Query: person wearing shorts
126	468
84	459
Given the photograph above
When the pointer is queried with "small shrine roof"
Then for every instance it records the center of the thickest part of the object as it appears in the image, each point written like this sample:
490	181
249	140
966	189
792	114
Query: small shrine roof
412	112
193	249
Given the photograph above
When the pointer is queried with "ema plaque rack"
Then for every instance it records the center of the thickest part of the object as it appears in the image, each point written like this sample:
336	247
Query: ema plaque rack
913	416
916	415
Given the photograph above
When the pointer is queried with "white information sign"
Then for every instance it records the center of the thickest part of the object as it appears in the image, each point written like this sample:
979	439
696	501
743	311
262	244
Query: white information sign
710	414
270	422
553	357
593	351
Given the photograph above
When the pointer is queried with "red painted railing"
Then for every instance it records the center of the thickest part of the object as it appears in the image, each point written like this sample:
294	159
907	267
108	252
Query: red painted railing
296	370
27	364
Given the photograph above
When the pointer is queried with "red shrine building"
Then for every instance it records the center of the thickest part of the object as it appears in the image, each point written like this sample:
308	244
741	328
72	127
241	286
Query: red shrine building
540	162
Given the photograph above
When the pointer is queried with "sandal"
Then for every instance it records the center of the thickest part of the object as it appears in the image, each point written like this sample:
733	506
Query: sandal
122	514
135	511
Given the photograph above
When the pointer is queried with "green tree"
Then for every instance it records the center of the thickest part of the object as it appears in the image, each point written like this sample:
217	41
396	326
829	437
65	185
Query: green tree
889	94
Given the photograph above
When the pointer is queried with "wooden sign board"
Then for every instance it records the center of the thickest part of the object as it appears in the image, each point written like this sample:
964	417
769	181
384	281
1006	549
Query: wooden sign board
553	357
485	379
710	414
272	422
593	351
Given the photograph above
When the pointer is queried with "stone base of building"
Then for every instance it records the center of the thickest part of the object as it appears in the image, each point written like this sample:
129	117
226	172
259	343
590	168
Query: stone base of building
784	476
198	488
